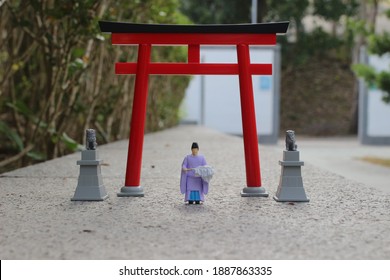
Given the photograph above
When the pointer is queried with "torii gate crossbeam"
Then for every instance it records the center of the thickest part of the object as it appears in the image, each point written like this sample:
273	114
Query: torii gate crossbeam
146	35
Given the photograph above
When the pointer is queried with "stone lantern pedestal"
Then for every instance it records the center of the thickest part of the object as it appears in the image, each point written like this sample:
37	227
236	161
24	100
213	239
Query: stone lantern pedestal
291	185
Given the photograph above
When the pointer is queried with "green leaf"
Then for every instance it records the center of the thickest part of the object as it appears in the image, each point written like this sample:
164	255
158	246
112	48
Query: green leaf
36	155
78	52
388	13
380	44
76	65
54	138
11	135
366	72
383	81
69	142
20	107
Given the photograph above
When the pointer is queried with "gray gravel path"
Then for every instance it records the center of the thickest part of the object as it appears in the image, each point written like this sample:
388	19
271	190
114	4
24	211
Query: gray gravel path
343	220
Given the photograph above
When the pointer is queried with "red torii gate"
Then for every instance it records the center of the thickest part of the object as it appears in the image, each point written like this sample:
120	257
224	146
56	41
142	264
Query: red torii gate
146	35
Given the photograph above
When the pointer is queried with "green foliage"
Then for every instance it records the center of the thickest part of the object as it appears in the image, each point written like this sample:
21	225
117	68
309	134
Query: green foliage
70	143
293	11
287	10
374	78
12	135
217	11
357	26
318	43
57	76
321	41
16	143
378	44
367	72
333	10
383	81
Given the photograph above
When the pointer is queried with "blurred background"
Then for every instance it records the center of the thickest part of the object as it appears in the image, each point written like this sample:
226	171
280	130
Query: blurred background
57	69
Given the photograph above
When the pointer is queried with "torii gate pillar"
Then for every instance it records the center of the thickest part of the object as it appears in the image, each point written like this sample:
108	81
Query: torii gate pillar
249	130
146	35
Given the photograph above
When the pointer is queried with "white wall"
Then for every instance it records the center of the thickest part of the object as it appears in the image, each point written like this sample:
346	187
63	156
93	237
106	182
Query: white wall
378	117
222	109
374	114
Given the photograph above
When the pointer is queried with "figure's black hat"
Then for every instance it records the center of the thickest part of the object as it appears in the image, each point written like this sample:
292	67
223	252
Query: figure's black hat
194	146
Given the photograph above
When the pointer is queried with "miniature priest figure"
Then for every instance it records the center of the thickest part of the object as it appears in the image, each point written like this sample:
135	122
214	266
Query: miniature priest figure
195	176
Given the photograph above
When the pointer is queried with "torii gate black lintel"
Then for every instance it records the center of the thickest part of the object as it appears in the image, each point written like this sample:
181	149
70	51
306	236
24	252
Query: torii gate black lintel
254	28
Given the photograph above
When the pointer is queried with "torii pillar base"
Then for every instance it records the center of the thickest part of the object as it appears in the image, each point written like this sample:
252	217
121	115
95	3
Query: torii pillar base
131	191
254	192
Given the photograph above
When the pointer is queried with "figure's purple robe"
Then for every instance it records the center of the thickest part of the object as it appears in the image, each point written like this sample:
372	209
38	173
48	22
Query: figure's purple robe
188	181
